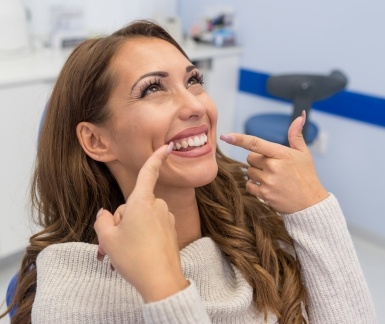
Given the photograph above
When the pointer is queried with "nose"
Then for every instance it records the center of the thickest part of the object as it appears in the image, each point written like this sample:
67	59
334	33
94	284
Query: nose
190	105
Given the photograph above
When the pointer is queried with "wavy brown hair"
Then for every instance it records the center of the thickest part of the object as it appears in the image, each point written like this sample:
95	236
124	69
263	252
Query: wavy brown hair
68	188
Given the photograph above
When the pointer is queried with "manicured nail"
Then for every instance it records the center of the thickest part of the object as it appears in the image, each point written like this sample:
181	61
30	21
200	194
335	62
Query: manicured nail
99	212
303	117
170	147
228	138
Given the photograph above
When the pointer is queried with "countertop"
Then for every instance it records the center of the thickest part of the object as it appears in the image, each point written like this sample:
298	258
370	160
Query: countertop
44	65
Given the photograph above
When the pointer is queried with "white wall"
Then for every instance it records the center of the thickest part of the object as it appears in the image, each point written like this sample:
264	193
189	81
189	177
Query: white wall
300	35
100	15
317	36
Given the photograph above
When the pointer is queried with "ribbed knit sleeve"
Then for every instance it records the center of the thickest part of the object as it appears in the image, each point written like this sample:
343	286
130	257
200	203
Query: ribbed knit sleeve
337	289
184	307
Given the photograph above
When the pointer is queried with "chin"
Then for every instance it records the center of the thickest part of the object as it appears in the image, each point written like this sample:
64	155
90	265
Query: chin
192	176
207	177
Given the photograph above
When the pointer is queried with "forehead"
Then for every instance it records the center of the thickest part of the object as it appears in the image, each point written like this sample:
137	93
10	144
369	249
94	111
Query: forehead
147	54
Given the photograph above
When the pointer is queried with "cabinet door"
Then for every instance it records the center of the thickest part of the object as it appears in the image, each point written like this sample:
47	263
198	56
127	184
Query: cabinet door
21	109
222	86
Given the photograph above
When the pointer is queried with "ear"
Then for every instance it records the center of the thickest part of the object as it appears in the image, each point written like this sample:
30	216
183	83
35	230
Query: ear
95	141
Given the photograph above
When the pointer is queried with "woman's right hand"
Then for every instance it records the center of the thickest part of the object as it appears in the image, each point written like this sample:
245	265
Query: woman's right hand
140	238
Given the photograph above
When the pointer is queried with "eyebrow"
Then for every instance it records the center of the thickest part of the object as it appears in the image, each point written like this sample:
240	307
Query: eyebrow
190	68
155	73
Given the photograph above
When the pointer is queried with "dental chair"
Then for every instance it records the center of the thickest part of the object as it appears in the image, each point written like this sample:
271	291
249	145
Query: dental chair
11	290
302	90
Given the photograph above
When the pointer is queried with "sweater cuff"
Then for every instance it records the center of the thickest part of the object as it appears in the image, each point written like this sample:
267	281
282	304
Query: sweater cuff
319	224
183	307
328	205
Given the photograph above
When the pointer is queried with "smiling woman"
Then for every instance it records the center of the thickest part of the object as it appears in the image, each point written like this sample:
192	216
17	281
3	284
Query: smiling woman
182	234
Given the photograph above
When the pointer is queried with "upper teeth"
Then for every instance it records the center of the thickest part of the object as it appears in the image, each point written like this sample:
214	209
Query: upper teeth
196	140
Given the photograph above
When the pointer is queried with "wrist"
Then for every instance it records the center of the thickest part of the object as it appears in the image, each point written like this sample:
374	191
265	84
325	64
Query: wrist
163	288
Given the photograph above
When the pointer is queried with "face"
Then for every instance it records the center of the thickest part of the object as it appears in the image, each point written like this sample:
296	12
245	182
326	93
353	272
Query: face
158	98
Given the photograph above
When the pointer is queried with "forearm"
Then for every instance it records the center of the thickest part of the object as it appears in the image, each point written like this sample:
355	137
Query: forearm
336	286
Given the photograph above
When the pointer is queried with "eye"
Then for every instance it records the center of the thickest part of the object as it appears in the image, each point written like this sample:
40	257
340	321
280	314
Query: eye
151	87
196	78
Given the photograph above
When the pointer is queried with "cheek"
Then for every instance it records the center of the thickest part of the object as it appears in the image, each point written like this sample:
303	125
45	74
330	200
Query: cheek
145	125
212	114
212	110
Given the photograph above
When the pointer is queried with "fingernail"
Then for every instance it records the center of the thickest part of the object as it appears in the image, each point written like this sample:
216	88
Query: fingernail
303	117
228	138
99	212
170	147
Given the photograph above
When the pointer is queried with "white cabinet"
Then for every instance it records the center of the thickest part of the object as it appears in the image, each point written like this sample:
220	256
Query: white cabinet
21	108
222	84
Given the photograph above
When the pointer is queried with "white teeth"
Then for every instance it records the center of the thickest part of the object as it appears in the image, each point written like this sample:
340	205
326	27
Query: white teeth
190	142
197	140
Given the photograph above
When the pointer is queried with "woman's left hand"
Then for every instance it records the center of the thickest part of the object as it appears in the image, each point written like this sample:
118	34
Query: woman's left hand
284	177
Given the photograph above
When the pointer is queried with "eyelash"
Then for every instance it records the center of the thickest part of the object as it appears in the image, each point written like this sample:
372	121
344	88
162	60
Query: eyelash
158	82
147	86
198	76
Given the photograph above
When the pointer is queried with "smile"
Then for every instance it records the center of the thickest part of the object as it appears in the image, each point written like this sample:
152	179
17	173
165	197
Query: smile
190	142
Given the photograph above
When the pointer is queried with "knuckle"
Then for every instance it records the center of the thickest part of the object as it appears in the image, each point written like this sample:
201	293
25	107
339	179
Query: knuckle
251	159
252	188
101	233
272	165
161	203
120	209
171	219
265	193
153	170
267	182
254	144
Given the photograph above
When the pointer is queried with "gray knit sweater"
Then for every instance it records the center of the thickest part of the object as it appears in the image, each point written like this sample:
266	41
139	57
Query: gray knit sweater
73	287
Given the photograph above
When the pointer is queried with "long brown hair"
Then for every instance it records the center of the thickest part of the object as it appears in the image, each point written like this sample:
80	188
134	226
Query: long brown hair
68	188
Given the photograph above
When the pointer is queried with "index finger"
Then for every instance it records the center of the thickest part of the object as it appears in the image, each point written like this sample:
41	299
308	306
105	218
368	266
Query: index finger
149	173
253	144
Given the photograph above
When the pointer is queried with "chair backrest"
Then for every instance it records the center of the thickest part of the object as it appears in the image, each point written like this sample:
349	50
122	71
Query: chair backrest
11	290
304	89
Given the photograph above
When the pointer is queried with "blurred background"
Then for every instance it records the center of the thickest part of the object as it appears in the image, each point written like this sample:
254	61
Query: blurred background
237	44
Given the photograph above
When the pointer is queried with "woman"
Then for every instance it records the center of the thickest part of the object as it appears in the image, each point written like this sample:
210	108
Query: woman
129	136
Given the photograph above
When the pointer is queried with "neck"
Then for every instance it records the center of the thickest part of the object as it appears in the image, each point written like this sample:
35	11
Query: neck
183	205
